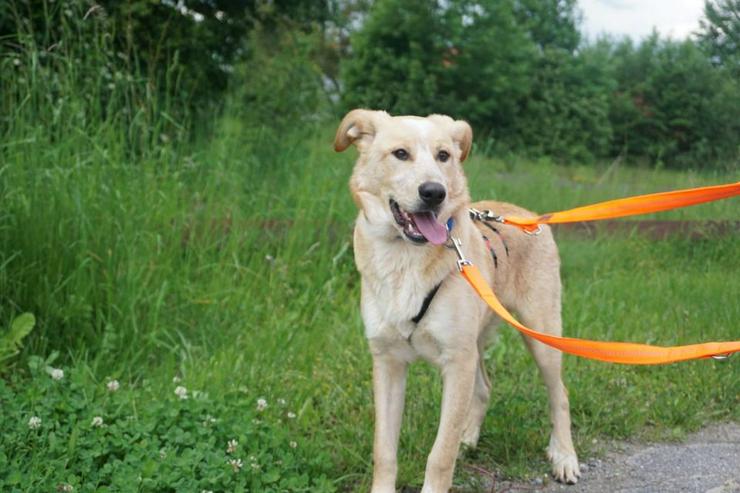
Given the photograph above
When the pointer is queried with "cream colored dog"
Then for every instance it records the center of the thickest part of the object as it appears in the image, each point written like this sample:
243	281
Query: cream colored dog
408	182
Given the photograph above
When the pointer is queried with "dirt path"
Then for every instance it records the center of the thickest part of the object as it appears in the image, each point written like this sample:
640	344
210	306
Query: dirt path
706	462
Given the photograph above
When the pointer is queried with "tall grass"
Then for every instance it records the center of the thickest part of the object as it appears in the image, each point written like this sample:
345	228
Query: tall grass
146	250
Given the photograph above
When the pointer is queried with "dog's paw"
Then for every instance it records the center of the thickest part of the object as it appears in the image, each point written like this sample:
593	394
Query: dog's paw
564	463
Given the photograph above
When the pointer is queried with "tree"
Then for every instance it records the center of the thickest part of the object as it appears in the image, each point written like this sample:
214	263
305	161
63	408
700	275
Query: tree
719	34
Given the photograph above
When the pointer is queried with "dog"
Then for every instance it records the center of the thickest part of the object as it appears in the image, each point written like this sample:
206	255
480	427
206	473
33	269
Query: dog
410	189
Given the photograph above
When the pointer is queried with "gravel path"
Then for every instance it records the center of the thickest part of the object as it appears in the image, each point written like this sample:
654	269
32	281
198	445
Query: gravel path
706	462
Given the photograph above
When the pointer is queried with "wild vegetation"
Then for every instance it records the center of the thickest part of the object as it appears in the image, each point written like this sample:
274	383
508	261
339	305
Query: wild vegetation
174	221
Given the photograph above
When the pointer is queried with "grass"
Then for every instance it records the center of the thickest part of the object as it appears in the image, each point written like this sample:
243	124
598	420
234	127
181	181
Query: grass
226	262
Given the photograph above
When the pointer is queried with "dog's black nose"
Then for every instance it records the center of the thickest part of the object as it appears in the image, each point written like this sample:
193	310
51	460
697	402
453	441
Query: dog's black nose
432	193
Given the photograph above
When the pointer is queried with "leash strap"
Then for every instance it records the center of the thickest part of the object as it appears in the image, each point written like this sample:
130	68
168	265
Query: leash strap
630	206
615	352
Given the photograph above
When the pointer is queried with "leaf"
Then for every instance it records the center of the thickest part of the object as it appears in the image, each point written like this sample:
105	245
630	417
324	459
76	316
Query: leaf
10	342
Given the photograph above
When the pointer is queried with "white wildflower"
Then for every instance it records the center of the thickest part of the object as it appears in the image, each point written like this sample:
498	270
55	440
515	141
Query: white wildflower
34	423
291	415
252	458
176	379
181	392
206	491
293	444
97	422
209	420
282	402
236	464
261	404
256	421
113	385
163	453
56	373
231	448
65	487
255	466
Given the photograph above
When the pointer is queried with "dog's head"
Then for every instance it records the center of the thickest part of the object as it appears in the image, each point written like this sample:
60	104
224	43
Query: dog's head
408	180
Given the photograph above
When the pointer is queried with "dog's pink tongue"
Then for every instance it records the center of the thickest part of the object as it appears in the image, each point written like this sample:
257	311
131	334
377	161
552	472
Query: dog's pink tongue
428	226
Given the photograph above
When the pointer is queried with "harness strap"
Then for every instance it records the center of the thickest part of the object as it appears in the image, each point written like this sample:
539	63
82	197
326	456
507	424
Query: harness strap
425	304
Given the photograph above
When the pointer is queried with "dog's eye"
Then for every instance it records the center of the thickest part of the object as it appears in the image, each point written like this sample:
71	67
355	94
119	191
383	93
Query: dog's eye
401	154
443	156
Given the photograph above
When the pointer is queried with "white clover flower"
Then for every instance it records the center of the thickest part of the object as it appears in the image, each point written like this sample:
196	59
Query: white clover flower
293	444
97	422
113	385
176	379
236	464
34	423
163	453
65	487
231	448
181	392
56	373
252	458
261	404
291	415
255	466
209	420
282	402
256	421
206	491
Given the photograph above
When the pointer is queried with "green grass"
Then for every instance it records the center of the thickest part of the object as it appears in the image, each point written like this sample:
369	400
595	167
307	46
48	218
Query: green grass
185	265
146	254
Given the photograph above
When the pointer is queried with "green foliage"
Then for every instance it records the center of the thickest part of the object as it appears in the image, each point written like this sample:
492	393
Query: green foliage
396	59
110	436
719	35
673	107
278	88
12	339
519	73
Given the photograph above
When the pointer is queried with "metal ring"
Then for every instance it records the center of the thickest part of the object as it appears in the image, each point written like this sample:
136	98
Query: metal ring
721	357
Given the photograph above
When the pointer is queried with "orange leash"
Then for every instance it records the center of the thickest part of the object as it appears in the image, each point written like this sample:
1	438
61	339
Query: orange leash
630	206
614	352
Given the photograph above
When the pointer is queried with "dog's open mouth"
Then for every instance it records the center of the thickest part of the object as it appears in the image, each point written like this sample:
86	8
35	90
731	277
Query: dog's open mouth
419	227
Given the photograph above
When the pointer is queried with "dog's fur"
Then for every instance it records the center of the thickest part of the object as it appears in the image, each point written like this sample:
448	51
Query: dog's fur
397	275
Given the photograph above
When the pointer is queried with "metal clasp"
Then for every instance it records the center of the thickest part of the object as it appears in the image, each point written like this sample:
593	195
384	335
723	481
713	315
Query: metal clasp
486	215
461	260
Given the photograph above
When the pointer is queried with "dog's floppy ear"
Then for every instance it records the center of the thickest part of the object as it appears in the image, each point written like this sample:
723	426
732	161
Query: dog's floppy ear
356	127
460	131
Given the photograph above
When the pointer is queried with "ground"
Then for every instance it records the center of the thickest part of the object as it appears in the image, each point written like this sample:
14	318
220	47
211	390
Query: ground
707	461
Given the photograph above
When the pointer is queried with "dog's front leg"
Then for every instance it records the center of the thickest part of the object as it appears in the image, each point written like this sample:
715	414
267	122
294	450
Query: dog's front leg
458	380
389	385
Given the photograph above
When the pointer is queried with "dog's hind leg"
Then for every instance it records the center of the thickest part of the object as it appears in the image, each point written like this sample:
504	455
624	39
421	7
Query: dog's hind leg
560	451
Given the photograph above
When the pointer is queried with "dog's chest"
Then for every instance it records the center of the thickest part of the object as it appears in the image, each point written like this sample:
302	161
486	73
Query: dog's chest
389	307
